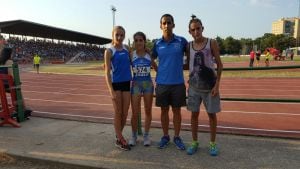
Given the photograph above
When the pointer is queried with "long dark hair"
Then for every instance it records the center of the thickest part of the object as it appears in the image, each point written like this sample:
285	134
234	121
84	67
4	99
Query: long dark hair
5	55
142	35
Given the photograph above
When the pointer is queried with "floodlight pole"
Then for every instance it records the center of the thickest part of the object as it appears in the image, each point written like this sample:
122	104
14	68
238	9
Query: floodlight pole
299	10
113	9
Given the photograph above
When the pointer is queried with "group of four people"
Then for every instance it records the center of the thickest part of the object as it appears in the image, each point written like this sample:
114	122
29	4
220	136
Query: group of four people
170	87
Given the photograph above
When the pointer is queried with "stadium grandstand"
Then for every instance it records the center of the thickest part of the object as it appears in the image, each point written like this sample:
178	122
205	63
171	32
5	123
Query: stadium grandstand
54	45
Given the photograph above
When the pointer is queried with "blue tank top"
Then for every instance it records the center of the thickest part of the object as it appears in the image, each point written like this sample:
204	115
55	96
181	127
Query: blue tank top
141	67
120	65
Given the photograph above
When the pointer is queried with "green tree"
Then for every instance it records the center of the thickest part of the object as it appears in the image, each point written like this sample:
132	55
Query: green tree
220	42
149	44
246	46
232	46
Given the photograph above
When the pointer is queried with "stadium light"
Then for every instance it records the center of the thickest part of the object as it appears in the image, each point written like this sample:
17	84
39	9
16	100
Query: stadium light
113	9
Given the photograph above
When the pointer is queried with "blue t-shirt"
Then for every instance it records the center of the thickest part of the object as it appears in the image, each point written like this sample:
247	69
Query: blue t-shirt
141	67
170	60
120	65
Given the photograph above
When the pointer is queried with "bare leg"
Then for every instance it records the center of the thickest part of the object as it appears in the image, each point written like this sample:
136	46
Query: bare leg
148	111
125	107
194	125
213	126
136	108
117	103
165	120
176	120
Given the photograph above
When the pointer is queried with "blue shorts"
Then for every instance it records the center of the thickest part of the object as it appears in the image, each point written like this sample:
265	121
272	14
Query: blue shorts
142	87
195	98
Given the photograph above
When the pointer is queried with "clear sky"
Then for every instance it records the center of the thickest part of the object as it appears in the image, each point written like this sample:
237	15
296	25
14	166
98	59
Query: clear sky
236	18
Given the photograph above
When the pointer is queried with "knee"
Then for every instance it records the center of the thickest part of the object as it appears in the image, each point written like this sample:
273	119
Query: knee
212	116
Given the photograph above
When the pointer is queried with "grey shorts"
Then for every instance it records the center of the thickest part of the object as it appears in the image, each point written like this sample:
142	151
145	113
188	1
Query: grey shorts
174	95
195	98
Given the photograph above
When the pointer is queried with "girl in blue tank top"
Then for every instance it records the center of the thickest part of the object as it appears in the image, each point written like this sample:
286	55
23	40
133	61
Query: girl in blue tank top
141	86
118	78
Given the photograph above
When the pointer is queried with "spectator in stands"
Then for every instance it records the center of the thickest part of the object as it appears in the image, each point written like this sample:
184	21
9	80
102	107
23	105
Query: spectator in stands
51	51
142	86
36	63
118	77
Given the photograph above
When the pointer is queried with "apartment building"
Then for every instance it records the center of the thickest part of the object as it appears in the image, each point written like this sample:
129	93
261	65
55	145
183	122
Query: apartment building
288	26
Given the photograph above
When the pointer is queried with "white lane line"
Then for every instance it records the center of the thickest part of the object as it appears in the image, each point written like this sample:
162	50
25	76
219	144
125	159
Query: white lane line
62	91
66	83
264	95
66	93
262	89
73	115
184	124
56	101
66	88
224	111
264	113
240	102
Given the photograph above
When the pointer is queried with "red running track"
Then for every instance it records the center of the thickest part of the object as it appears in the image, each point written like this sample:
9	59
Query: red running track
86	98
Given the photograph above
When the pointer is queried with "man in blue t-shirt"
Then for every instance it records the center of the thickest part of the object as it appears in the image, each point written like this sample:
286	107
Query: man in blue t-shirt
170	87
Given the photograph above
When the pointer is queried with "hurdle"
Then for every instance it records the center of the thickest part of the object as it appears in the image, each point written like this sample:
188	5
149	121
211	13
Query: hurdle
7	110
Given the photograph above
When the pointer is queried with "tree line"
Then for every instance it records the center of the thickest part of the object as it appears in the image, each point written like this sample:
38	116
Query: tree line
243	46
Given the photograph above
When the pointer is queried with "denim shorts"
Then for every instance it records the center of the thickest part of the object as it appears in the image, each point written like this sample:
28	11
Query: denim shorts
142	87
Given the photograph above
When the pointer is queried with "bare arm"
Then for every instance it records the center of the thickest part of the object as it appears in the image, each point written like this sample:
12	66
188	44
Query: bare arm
216	54
107	67
186	65
153	64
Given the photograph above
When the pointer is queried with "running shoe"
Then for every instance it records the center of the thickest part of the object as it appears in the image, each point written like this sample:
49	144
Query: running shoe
147	141
213	149
179	144
192	149
132	141
122	144
164	141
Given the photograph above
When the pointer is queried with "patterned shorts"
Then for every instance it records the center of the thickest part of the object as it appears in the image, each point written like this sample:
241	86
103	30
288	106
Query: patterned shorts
141	87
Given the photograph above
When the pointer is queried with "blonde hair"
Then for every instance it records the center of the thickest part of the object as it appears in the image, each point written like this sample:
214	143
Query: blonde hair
114	30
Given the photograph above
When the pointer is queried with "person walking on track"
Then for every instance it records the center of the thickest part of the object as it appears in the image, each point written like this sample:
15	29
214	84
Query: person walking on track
36	62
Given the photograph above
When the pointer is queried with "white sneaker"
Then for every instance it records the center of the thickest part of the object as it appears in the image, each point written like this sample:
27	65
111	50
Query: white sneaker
132	141
147	141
